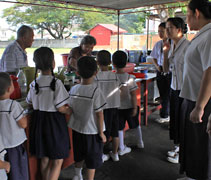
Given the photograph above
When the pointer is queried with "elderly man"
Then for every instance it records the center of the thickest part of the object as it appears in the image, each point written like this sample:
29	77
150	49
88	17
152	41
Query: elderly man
14	56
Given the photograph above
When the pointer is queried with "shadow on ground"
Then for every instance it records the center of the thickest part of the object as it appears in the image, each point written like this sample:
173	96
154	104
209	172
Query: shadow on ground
141	164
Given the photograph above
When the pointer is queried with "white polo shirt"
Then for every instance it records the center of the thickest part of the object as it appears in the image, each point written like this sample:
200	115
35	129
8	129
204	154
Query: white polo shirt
109	83
128	85
10	113
85	100
47	99
157	52
13	58
176	63
197	60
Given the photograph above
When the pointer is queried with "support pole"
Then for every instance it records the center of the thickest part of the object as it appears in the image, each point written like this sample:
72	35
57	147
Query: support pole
118	14
147	33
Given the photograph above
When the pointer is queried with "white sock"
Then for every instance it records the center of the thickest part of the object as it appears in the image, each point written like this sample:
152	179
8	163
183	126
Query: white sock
139	135
78	172
121	140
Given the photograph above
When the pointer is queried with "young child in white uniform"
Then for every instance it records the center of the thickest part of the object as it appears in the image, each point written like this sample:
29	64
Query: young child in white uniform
174	62
128	102
109	84
86	121
12	131
49	137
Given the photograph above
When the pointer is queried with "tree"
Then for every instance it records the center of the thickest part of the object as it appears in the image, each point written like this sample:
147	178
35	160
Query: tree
58	22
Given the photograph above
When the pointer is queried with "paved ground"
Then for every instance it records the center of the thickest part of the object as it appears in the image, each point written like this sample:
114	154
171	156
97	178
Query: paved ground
141	164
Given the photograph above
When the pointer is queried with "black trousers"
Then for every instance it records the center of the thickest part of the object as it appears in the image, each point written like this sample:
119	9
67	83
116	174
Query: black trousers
163	83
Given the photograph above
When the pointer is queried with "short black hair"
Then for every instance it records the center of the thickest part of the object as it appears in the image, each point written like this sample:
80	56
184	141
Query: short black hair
86	66
202	5
163	25
104	58
23	30
119	59
88	39
5	82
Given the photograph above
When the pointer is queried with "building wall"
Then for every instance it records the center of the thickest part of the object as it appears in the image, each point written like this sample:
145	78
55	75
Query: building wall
101	34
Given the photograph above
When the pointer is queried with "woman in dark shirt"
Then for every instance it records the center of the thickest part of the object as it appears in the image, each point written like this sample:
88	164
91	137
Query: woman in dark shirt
86	46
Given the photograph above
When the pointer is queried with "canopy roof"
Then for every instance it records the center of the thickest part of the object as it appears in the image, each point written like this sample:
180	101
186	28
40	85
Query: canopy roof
118	4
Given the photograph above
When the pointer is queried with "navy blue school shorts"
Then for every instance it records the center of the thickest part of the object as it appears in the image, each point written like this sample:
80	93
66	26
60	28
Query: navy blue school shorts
18	159
88	147
126	115
111	118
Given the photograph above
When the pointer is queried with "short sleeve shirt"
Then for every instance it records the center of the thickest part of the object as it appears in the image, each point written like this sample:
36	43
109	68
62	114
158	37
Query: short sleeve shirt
157	52
13	58
10	113
176	60
109	83
197	60
128	85
85	101
47	99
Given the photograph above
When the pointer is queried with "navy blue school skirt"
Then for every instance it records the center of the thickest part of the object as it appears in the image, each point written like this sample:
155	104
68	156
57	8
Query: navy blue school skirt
48	135
195	152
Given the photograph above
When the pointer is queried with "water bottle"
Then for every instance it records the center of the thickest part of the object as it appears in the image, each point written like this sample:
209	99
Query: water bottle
22	83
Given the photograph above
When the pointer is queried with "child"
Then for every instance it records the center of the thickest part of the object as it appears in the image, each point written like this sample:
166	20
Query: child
12	132
87	123
49	138
128	102
4	166
109	83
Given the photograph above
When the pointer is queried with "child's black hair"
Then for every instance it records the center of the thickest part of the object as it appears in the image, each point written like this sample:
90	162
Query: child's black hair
5	82
87	66
119	59
163	25
43	58
104	58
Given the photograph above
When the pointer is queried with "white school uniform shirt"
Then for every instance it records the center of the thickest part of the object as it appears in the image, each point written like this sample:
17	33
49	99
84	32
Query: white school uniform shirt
10	113
109	83
176	62
128	85
13	58
47	99
157	52
197	60
3	174
85	100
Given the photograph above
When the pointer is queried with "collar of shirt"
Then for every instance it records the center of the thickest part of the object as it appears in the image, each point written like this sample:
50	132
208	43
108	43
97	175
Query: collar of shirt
202	30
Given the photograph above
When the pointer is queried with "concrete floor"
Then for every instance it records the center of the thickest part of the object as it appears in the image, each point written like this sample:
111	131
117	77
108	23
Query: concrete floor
141	164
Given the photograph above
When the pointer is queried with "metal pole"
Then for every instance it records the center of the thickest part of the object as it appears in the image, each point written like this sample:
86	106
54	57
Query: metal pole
118	14
147	32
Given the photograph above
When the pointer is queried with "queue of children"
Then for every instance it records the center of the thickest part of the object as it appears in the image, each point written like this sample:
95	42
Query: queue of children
95	107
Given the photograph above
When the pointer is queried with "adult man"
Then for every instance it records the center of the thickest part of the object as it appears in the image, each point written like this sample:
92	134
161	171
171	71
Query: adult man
14	56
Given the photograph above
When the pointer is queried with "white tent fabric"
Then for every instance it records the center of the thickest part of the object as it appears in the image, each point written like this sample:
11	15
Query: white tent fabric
118	4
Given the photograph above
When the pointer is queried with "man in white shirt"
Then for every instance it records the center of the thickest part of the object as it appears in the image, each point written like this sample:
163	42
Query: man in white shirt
14	56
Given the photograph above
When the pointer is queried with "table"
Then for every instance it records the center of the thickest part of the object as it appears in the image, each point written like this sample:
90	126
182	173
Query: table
150	77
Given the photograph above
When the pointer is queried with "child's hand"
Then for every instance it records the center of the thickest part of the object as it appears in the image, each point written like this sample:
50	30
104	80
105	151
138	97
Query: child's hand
7	167
103	137
134	112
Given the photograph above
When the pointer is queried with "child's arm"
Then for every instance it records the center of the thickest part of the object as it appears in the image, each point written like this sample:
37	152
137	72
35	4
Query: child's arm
5	165
22	122
65	110
100	120
134	102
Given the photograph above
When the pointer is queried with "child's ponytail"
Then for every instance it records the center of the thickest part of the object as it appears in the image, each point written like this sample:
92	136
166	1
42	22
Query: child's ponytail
36	84
53	82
